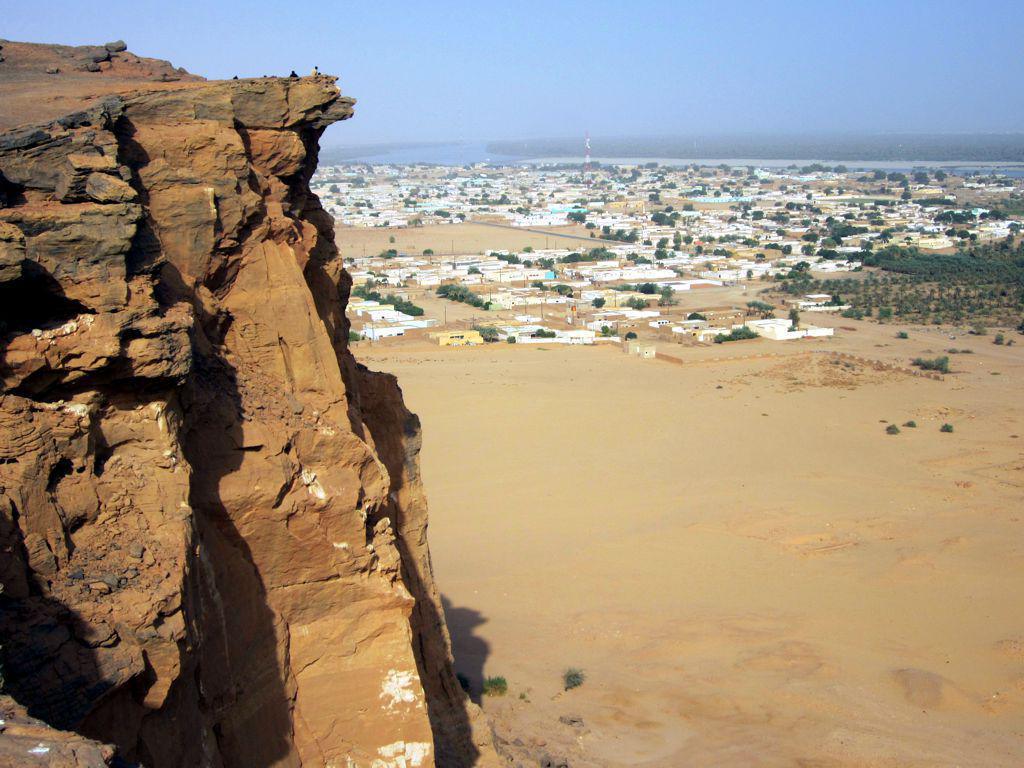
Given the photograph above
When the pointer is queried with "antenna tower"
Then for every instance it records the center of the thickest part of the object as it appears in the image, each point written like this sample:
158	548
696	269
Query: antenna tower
586	158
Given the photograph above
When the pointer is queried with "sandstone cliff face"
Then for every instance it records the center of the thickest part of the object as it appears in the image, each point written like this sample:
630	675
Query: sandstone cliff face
213	530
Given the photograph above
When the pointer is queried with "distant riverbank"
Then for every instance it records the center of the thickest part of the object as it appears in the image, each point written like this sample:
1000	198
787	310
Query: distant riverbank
472	153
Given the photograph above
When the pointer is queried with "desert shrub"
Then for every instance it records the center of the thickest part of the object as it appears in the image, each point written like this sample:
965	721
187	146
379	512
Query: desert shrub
511	339
999	339
495	686
573	678
354	336
892	429
910	424
940	364
902	335
946	428
978	330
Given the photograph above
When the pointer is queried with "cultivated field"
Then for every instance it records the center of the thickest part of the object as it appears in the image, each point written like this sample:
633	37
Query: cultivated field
749	570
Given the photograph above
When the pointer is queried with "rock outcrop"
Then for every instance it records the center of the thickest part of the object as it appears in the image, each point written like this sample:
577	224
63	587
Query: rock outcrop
213	529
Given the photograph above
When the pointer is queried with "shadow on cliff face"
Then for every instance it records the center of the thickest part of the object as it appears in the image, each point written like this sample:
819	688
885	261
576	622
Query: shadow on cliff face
240	681
469	650
49	654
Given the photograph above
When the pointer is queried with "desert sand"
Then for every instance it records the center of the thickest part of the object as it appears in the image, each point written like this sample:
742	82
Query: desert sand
749	570
458	239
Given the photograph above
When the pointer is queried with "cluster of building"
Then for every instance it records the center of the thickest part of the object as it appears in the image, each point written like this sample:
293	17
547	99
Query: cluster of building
655	232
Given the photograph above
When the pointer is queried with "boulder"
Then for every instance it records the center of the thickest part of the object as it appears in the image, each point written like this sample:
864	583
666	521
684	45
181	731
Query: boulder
71	183
103	188
116	47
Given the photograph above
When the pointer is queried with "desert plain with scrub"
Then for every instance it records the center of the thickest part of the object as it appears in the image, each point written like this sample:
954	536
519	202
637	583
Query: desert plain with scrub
747	567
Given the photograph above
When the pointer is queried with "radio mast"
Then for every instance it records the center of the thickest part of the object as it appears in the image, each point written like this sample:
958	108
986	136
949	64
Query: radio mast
586	158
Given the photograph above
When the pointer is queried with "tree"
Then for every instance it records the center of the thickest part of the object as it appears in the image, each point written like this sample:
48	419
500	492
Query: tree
597	303
635	302
428	251
794	317
580	217
487	332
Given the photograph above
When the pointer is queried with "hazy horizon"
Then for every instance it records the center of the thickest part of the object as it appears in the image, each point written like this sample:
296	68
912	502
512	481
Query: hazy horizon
461	72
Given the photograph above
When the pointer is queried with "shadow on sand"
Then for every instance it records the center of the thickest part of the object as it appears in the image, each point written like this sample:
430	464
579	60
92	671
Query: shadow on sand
469	650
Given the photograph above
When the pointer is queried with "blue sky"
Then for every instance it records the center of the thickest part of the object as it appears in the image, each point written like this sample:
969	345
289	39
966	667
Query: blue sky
477	70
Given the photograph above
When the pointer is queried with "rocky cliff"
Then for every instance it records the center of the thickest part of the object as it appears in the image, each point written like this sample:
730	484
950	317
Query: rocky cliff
213	529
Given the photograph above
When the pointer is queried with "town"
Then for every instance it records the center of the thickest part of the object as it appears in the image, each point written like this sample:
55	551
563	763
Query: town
658	254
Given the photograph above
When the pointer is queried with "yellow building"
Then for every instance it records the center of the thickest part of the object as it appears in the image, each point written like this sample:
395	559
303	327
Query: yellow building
457	338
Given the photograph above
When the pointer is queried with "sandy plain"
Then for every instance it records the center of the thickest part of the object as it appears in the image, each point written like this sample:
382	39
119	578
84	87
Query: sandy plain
458	239
749	570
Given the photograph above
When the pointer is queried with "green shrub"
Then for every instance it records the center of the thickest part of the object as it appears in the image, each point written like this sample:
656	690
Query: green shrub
354	336
940	364
912	424
999	339
946	428
573	678
737	334
495	686
892	429
902	335
511	339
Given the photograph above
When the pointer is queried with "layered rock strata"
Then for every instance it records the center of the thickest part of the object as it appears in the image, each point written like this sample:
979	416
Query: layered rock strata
213	528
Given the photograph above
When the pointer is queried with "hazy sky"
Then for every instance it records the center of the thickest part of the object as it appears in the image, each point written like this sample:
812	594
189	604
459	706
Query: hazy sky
481	70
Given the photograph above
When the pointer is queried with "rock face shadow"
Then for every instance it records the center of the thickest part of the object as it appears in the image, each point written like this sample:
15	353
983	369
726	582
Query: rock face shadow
470	650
